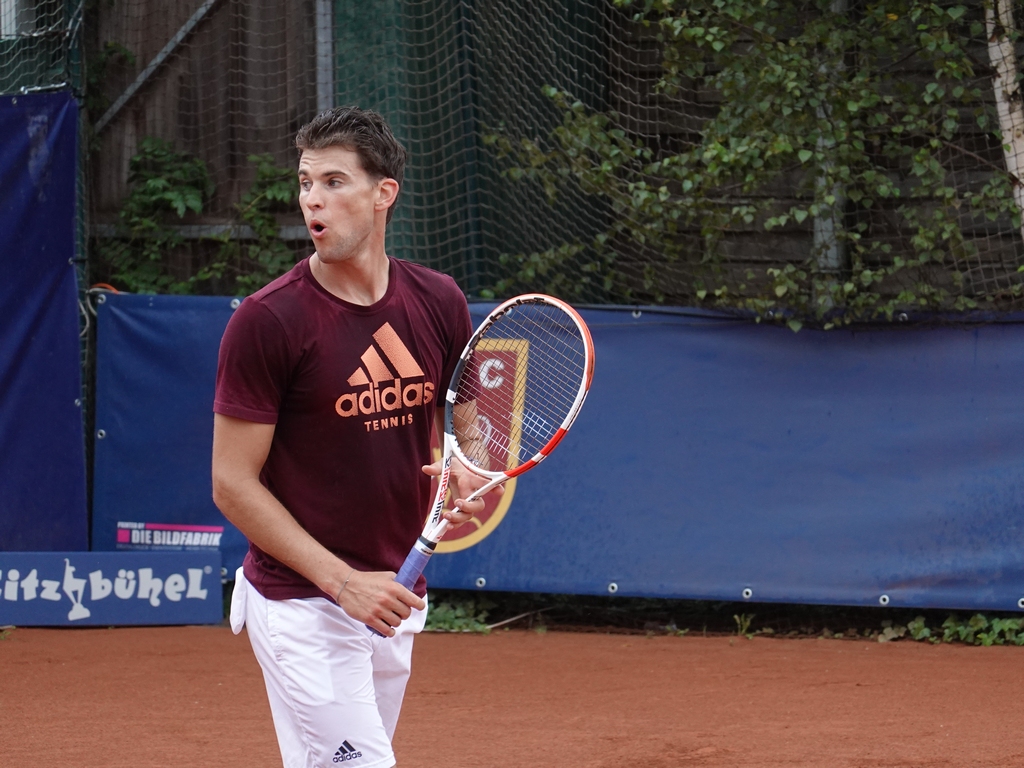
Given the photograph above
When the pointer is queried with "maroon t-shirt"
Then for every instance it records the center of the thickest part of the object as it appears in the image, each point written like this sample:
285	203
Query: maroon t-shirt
353	391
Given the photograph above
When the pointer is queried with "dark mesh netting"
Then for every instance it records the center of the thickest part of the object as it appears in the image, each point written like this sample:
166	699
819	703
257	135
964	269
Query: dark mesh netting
824	161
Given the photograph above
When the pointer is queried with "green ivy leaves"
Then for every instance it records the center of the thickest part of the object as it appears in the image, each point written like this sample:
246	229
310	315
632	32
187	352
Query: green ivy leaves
459	616
815	107
977	630
258	262
164	187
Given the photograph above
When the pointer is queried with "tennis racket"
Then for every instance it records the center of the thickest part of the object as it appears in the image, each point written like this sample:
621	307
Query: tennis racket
516	390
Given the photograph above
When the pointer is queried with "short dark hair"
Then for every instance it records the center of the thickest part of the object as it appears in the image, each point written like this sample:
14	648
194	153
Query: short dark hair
363	131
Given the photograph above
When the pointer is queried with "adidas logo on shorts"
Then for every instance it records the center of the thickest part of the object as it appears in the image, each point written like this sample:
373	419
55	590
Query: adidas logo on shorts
346	752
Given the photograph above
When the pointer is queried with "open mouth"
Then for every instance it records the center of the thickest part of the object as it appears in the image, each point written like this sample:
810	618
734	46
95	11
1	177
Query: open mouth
317	228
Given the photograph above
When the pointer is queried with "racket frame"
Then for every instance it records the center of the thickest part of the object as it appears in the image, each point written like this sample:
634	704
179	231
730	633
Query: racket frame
437	524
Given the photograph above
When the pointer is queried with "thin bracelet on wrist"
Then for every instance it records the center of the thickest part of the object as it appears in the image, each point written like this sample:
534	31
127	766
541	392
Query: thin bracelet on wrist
344	584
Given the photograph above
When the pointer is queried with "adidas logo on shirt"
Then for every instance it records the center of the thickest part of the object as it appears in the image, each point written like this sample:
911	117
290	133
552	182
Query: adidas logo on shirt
385	374
346	752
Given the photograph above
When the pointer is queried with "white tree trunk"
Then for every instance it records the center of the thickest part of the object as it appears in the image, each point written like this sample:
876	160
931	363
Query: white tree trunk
1009	106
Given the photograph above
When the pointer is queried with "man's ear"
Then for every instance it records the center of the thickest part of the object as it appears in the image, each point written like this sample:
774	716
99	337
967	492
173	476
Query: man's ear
387	193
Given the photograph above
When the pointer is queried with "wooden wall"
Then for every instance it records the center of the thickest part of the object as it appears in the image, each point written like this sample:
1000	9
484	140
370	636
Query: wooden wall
242	83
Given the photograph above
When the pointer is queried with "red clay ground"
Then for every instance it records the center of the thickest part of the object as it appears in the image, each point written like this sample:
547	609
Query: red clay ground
193	696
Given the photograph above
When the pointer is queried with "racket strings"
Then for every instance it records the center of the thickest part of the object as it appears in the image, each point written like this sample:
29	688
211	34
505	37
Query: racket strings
525	374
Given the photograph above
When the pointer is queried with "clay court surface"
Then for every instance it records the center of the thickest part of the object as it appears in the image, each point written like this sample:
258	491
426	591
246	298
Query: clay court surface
193	696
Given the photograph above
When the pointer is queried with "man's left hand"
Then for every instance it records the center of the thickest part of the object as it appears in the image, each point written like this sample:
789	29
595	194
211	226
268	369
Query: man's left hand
462	484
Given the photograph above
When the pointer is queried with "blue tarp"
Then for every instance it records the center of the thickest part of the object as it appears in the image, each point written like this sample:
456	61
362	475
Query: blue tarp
156	364
820	467
42	462
712	457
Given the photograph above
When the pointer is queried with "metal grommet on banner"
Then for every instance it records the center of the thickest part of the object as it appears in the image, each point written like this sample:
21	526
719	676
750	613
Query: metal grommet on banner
1020	603
636	314
902	317
748	593
613	588
235	303
883	600
480	582
101	433
101	299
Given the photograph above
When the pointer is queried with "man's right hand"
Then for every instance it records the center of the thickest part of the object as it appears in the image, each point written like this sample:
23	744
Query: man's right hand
240	450
377	600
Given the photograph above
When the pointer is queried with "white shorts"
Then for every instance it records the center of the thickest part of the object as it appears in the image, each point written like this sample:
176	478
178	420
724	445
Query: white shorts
335	688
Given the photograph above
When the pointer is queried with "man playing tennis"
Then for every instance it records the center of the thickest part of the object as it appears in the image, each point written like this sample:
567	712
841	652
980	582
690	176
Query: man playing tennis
328	387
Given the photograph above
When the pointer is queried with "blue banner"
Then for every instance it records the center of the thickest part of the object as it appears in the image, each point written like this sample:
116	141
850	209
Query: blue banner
724	460
105	588
156	365
714	459
42	458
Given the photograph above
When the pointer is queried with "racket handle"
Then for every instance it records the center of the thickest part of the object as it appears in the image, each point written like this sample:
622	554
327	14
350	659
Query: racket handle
415	562
413	566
